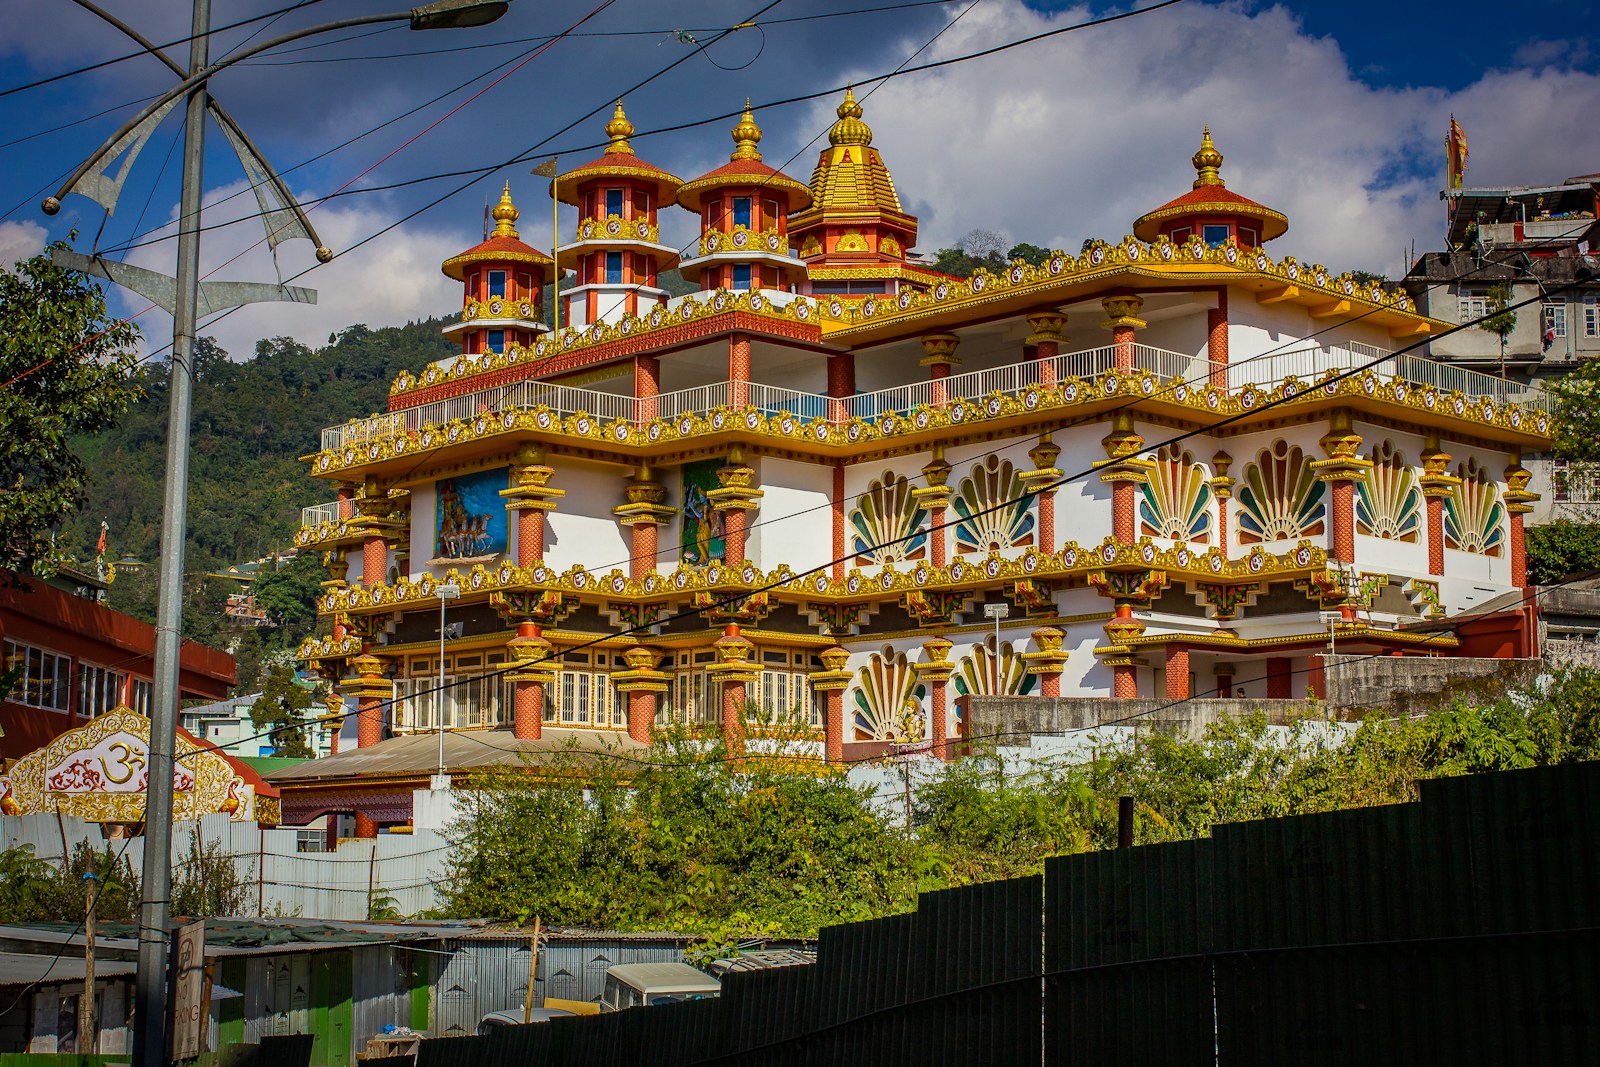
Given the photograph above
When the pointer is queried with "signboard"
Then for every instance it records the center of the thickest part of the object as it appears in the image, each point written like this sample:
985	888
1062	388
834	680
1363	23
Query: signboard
100	770
188	990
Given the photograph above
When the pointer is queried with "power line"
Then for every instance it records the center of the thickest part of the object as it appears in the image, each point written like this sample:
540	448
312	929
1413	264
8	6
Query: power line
169	44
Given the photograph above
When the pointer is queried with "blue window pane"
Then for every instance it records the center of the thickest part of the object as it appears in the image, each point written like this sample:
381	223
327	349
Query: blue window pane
614	267
614	202
741	275
741	211
1214	235
497	341
497	283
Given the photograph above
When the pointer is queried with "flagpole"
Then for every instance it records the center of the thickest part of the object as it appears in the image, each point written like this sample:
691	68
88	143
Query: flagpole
555	257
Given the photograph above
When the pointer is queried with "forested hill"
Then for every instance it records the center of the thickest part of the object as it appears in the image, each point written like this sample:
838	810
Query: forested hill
252	419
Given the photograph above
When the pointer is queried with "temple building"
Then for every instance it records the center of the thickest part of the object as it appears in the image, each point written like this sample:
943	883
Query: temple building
1174	465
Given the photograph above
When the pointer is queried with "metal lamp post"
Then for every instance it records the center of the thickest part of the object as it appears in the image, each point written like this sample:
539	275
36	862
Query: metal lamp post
186	298
997	612
447	592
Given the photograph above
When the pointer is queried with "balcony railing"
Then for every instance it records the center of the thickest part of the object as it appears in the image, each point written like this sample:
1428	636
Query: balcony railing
317	514
1306	363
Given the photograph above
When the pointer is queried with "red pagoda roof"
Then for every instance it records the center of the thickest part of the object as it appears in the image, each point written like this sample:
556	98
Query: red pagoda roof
1210	198
502	246
618	161
744	169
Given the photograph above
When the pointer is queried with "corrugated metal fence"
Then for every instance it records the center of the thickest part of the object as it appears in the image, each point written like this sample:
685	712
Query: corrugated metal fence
1461	929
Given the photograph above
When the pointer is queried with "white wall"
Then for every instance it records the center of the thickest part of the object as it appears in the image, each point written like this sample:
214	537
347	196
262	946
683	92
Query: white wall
794	523
581	529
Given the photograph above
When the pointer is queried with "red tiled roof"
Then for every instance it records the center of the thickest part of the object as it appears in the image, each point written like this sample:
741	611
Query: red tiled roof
1216	199
505	249
750	172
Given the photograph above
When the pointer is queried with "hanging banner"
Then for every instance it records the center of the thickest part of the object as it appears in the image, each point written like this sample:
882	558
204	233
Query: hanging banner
188	990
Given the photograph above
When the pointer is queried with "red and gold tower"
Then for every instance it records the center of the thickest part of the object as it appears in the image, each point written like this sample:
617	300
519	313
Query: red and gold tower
503	279
855	235
1211	211
618	251
744	209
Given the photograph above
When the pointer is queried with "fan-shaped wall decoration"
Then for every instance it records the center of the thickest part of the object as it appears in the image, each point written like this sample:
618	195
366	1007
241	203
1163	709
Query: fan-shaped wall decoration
1279	496
993	509
981	673
887	524
888	700
1176	499
1474	516
1388	501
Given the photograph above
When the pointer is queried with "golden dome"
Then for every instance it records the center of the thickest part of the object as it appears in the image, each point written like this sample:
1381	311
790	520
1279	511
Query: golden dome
505	215
1207	162
619	129
746	136
850	129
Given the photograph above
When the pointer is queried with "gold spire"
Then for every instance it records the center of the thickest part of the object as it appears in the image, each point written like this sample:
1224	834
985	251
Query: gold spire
1207	162
746	136
505	215
619	129
850	129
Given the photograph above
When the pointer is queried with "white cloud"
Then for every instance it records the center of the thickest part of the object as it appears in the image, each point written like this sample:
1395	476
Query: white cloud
19	240
1078	135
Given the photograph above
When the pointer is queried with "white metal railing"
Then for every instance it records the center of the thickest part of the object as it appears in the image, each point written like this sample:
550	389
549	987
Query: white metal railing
1307	362
317	514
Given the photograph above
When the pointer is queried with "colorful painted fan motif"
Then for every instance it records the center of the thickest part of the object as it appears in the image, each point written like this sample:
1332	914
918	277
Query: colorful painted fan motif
993	510
1176	499
980	673
888	700
1474	516
1388	501
887	523
1279	496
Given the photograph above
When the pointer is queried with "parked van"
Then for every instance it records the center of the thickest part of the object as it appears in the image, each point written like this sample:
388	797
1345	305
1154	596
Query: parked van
631	985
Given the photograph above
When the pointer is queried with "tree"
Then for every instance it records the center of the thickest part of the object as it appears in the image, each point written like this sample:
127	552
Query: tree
1562	549
279	709
1577	423
984	245
289	596
1500	321
1028	253
207	881
64	370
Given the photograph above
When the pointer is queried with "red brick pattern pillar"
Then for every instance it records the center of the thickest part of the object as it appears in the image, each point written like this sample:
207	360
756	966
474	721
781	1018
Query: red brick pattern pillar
347	501
833	727
1124	503
839	561
1519	502
1049	685
369	721
1344	521
1280	678
733	532
1437	484
645	549
641	715
1124	682
1217	341
832	681
1125	472
1122	319
533	667
733	701
939	349
1341	470
371	691
738	371
1177	671
1047	520
374	561
1044	344
1519	552
1045	473
530	537
841	386
527	721
646	386
366	825
936	535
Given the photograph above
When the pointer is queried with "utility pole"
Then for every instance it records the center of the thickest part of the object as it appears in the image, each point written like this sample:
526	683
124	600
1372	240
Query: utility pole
533	970
88	1026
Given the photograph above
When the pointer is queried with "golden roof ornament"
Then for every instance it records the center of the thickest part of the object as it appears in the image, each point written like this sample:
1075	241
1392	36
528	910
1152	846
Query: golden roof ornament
1207	162
619	129
850	129
746	136
505	215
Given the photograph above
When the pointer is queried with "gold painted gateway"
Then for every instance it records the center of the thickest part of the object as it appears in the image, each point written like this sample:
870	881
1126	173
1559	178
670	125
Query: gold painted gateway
1172	465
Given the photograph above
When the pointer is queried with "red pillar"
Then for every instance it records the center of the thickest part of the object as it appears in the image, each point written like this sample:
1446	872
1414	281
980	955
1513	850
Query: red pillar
1279	678
833	727
1317	676
530	537
646	386
347	501
1124	502
839	562
733	701
1122	320
646	549
528	719
641	715
938	691
936	539
374	561
366	825
1177	671
1217	340
1124	682
1043	345
1519	552
1122	342
733	531
1050	685
1344	521
841	385
1435	535
738	371
1047	520
369	721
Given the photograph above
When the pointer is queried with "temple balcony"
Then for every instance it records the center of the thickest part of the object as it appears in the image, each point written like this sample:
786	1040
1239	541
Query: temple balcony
1175	383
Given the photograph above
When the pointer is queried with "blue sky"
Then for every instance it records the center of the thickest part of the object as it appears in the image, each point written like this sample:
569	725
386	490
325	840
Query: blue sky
1334	113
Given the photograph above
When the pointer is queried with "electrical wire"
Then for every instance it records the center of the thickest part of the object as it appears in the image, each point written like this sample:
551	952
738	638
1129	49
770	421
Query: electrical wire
170	44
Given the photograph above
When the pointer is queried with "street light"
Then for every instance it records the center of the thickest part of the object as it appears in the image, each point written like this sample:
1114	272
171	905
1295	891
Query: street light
185	298
447	592
997	612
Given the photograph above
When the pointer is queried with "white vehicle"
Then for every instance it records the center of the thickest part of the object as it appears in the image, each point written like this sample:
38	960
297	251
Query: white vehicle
514	1018
631	985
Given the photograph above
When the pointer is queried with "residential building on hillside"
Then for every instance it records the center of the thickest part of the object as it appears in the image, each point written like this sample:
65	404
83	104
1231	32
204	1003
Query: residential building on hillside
228	723
835	485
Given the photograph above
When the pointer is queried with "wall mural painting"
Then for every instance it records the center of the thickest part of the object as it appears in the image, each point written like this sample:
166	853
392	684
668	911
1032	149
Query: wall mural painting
887	525
888	701
1474	516
992	508
1279	497
701	541
470	518
1388	501
1176	500
981	673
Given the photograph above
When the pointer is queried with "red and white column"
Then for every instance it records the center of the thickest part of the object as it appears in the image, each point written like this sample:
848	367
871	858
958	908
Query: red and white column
1122	319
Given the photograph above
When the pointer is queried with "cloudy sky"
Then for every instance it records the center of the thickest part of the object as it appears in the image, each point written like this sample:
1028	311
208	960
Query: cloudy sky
1332	113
